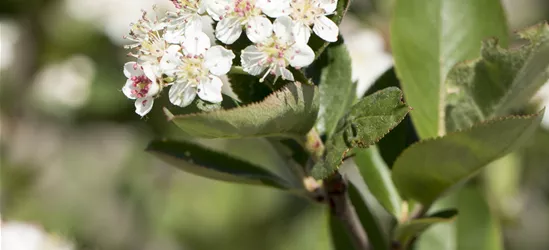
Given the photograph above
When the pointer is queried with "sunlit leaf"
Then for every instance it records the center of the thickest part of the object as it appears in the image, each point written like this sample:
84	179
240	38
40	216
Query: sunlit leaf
429	168
428	37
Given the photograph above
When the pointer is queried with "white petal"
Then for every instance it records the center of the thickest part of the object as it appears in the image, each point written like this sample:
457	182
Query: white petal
127	89
154	88
300	55
174	35
302	32
328	5
325	29
286	74
274	8
132	69
250	60
219	60
196	43
259	28
170	60
182	94
228	30
210	89
282	28
216	8
143	105
194	24
151	71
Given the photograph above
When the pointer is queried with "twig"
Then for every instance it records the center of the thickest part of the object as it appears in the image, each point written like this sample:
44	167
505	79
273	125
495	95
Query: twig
342	208
337	197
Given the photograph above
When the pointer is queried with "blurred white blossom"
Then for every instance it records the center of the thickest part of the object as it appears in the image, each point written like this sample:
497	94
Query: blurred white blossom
24	236
367	50
9	36
64	85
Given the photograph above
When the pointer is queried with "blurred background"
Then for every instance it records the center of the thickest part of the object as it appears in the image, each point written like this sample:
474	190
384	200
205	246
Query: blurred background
73	170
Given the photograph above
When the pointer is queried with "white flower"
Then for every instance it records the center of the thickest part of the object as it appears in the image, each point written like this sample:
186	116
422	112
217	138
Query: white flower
148	38
187	18
233	15
306	13
141	86
277	52
196	69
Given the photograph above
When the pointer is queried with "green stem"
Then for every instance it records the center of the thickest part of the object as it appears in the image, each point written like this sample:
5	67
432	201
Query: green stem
300	77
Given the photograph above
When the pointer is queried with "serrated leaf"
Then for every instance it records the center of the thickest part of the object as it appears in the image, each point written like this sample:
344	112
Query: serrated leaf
377	177
289	112
408	230
316	43
429	168
207	163
499	81
336	86
404	134
367	122
427	39
376	236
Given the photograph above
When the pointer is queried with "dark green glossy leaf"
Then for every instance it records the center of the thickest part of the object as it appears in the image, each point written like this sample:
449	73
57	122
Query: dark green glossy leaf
207	163
407	231
428	37
377	177
499	81
429	168
336	86
367	122
289	112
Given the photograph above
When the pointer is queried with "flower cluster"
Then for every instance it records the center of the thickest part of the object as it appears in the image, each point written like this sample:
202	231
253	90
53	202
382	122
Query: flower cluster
174	51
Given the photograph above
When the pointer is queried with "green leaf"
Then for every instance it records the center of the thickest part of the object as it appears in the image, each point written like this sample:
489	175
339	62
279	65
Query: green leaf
377	177
376	235
404	134
499	81
477	227
289	112
336	86
408	230
367	122
207	163
429	168
316	43
428	37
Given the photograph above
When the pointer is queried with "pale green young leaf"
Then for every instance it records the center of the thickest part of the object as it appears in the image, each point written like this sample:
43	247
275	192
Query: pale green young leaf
428	37
429	168
377	177
367	122
289	112
499	81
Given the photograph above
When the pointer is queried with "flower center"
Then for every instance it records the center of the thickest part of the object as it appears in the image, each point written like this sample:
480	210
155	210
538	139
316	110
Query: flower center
275	52
141	85
243	9
186	4
148	37
192	69
306	11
